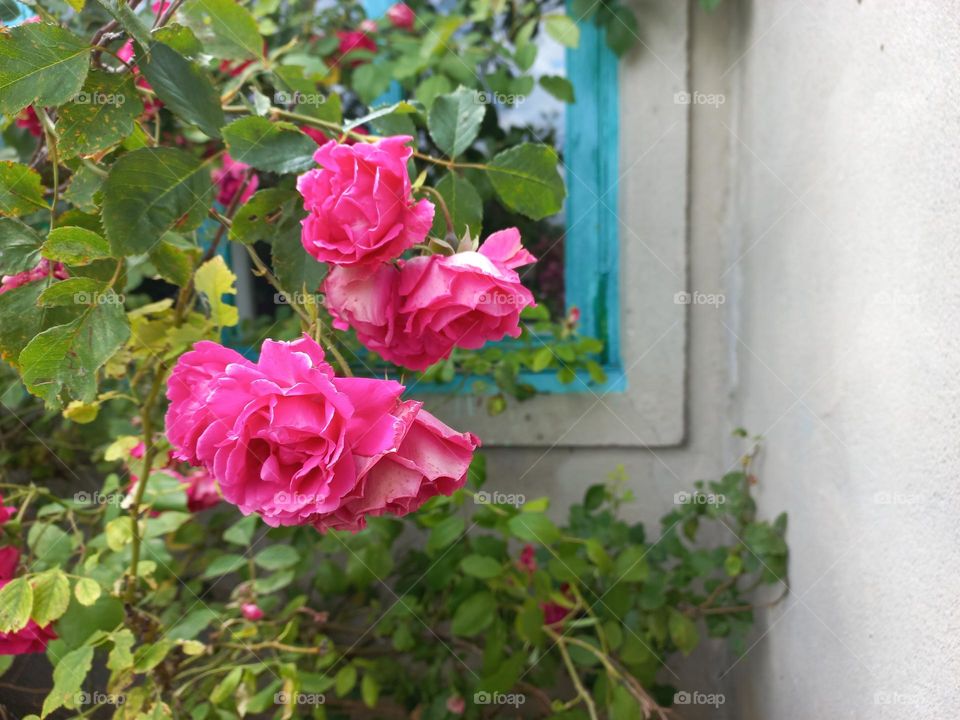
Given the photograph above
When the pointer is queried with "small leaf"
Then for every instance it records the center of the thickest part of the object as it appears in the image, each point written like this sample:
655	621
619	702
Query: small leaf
454	120
74	246
20	189
526	180
534	527
224	565
16	601
464	204
474	614
68	677
51	596
87	591
215	280
183	87
19	247
121	657
481	566
277	557
345	680
277	147
225	27
445	532
622	30
562	29
42	64
559	87
369	690
683	632
100	115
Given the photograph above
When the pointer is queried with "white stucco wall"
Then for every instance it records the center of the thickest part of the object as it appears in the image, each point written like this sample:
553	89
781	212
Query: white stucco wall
823	204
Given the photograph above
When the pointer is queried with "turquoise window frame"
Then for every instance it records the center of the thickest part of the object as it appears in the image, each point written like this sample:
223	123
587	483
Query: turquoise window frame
592	243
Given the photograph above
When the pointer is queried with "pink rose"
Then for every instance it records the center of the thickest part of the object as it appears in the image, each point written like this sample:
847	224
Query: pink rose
229	181
42	270
360	207
251	611
416	315
456	704
288	440
401	16
351	40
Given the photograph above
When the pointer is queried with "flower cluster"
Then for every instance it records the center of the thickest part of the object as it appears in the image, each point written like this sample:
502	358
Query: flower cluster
287	439
31	638
361	218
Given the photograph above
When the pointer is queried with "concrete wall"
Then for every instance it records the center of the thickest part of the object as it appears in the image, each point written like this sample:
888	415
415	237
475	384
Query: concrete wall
823	204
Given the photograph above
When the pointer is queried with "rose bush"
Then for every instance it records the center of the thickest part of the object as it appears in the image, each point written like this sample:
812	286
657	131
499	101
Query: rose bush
204	518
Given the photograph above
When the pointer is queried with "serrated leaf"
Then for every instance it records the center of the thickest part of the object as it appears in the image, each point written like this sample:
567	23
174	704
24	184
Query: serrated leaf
151	191
184	88
525	178
272	146
72	291
559	87
464	204
226	28
16	601
68	677
100	115
224	565
19	247
40	63
277	557
214	279
454	120
20	190
174	261
121	657
481	566
69	356
74	246
260	218
534	527
51	596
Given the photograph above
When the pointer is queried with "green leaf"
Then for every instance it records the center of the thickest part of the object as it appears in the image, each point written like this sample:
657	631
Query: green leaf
541	359
371	80
526	180
481	566
474	614
224	565
184	87
19	247
272	146
150	191
454	120
432	88
683	632
174	260
261	217
559	87
215	280
119	533
631	565
241	532
40	64
100	115
534	527
562	29
51	596
69	356
464	204
82	189
16	601
20	189
68	677
277	557
369	690
87	590
49	544
294	268
622	30
180	38
149	656
75	246
121	657
226	28
445	532
345	680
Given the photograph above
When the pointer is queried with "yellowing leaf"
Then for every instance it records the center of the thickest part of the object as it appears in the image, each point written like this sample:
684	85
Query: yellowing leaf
215	280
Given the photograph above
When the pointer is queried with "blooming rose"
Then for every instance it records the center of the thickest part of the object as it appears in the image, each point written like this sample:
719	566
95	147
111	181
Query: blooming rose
416	315
31	638
42	270
401	16
351	40
360	207
229	181
288	440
